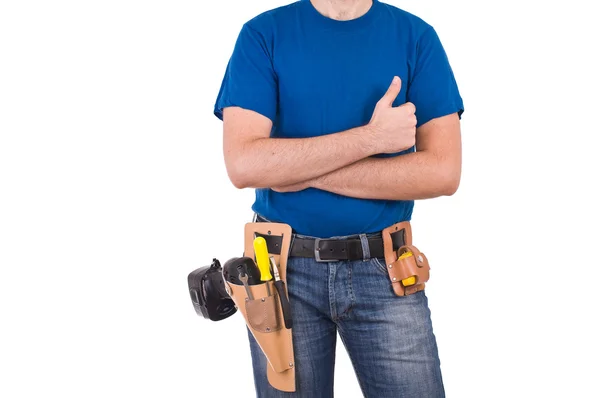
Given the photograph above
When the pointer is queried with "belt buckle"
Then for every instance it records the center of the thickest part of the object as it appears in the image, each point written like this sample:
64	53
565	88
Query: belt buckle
318	253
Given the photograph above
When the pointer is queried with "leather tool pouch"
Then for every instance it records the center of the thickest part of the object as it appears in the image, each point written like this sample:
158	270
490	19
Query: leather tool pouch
407	267
264	314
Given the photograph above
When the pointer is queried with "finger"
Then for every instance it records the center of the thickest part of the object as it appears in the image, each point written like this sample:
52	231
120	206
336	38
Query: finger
409	106
392	92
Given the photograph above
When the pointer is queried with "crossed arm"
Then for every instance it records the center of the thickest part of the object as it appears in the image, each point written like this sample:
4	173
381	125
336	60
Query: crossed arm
342	162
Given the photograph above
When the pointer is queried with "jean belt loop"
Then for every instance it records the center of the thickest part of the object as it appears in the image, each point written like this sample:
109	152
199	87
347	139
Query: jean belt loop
364	242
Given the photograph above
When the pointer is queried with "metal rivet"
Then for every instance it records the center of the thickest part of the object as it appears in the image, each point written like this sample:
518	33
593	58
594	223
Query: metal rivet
390	266
420	258
268	329
394	279
262	299
291	365
269	232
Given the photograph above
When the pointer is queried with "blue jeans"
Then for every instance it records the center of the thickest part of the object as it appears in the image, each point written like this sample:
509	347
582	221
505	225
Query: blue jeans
389	339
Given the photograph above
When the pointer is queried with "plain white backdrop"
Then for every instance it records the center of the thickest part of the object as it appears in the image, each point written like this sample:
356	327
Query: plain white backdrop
113	189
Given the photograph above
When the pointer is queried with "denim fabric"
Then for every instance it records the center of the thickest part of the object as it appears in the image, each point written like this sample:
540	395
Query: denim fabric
389	339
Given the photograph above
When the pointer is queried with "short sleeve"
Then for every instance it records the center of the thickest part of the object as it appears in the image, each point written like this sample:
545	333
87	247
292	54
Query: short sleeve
250	81
432	88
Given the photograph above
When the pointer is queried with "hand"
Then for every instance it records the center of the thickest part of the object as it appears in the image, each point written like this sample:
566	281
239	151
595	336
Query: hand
293	187
394	129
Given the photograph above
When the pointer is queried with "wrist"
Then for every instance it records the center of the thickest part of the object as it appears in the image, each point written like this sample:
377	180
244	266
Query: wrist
368	134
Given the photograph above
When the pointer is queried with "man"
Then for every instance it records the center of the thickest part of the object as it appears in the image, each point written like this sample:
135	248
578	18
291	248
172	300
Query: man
323	104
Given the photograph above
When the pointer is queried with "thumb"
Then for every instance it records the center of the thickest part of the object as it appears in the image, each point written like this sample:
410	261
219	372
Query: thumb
392	92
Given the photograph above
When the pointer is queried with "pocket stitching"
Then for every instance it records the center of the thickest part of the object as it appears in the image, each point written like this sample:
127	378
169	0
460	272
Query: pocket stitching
381	266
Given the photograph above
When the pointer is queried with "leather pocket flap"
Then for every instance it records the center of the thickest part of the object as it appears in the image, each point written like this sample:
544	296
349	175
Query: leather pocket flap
415	265
263	314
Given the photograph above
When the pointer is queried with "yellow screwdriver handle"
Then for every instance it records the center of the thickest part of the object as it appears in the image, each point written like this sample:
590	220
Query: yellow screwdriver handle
411	280
262	258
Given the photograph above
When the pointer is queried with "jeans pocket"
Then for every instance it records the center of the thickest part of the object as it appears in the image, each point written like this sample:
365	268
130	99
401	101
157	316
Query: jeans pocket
379	264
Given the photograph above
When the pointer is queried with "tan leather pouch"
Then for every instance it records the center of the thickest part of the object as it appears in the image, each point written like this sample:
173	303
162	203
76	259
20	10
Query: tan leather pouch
407	267
263	314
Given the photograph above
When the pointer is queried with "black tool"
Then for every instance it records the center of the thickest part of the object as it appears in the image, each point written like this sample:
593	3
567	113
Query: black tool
208	294
231	271
285	303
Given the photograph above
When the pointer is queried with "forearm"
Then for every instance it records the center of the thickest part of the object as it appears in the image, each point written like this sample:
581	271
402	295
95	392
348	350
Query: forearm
419	175
267	162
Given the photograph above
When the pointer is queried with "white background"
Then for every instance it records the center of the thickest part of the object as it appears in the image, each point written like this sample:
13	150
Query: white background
113	189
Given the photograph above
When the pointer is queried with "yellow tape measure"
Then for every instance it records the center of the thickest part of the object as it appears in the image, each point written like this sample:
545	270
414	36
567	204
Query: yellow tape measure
411	280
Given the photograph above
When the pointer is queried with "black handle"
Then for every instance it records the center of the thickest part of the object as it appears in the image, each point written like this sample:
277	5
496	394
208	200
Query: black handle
285	304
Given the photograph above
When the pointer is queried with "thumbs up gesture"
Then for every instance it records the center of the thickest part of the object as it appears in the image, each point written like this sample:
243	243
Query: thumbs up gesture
394	127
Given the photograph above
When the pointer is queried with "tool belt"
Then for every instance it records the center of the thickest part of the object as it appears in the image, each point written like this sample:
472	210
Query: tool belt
263	300
407	267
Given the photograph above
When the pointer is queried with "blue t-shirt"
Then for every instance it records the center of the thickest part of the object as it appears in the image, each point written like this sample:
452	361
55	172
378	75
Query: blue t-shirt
313	75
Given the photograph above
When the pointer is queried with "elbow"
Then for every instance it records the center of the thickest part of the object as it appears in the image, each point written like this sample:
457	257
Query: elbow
449	181
242	173
243	167
448	178
238	176
451	186
239	182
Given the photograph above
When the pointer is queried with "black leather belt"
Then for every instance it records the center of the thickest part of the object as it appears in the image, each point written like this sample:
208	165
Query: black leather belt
325	250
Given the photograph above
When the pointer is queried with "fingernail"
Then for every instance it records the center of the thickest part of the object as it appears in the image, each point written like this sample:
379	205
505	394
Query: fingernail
396	80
